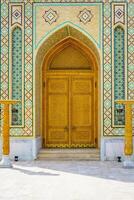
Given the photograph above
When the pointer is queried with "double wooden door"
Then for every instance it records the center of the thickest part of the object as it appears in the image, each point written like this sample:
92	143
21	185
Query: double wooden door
70	111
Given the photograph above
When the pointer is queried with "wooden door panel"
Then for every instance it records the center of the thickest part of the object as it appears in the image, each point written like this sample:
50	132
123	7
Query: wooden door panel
57	85
83	86
57	112
70	111
82	112
57	136
81	136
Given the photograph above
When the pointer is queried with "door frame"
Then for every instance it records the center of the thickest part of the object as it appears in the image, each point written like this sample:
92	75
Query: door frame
45	70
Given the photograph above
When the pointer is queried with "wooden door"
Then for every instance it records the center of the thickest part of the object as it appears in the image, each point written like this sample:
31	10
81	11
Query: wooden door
57	124
70	111
82	112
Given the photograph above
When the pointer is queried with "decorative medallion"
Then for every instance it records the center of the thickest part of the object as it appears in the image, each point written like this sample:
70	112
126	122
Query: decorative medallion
85	16
119	14
16	14
50	16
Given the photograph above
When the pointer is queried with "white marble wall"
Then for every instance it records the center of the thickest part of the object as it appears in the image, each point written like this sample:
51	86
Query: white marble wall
111	148
25	149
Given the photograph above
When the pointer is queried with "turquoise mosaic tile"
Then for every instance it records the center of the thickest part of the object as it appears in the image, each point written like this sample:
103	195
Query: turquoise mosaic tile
119	75
17	75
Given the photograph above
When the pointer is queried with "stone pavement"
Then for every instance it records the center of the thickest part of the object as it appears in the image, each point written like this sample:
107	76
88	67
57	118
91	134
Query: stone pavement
67	180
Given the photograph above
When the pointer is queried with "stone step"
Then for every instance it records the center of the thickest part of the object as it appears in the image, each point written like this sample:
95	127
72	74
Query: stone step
69	154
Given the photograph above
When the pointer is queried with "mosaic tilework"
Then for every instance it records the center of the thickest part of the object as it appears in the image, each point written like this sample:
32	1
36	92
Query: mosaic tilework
107	70
119	16
16	14
28	130
108	130
17	75
50	16
119	74
68	1
85	16
131	50
4	52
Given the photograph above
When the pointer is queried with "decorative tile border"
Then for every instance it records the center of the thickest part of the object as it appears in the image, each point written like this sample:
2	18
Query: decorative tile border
28	130
4	52
107	69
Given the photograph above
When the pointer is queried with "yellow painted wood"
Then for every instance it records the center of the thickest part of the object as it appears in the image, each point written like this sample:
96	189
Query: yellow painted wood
70	111
128	147
70	96
74	60
9	101
82	122
6	128
57	111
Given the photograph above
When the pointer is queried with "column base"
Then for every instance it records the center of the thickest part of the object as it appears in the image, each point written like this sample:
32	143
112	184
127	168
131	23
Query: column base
128	162
5	162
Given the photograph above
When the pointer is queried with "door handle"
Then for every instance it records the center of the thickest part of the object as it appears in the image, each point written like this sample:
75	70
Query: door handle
66	128
73	127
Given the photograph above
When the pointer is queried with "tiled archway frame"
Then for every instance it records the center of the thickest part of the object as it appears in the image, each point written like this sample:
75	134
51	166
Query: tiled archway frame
62	33
108	130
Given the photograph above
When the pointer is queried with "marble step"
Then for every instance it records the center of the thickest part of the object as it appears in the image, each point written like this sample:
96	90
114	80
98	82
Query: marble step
69	154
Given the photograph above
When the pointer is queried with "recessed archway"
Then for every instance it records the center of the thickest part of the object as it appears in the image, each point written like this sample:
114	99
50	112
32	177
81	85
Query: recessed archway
66	35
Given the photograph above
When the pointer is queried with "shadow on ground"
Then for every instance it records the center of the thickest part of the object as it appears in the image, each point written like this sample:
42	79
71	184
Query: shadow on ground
31	172
105	170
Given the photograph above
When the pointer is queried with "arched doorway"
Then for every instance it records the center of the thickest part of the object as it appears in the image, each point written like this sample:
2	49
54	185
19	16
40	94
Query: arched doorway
70	95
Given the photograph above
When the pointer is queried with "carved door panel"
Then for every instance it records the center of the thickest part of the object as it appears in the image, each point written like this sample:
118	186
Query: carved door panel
70	111
82	112
57	112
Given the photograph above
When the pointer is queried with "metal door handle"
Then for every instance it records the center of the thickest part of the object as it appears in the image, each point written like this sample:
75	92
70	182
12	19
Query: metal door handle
73	127
66	128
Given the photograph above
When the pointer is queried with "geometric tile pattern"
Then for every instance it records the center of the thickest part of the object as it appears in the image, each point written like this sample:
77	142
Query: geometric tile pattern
28	56
85	16
131	50
50	16
16	14
119	16
4	51
107	74
28	130
17	75
119	74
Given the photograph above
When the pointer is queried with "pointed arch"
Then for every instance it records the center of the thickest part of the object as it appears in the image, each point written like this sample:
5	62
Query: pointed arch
66	34
74	45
